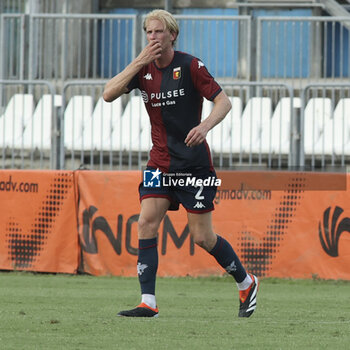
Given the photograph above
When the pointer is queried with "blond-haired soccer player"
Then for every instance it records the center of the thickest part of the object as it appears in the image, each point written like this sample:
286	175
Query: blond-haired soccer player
173	85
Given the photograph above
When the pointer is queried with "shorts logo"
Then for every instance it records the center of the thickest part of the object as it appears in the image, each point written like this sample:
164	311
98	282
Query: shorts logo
199	205
152	178
177	73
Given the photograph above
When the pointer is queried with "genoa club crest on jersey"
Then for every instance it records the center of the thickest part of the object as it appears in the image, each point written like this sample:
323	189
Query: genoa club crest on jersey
177	73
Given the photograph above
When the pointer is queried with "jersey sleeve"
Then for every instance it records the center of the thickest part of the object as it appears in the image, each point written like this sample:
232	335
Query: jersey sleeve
134	83
203	80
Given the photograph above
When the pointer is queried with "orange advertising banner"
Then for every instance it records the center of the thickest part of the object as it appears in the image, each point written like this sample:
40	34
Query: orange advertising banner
38	227
282	224
299	228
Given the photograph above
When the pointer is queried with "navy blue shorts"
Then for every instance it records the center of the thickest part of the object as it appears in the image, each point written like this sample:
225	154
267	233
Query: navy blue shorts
195	190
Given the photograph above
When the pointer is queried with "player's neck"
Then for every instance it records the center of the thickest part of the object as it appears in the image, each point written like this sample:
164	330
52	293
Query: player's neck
165	59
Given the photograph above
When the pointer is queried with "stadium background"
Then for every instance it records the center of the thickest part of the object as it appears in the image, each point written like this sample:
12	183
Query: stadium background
285	67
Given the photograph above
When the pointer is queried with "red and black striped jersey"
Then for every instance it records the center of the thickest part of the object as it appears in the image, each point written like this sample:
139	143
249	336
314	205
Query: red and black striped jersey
173	97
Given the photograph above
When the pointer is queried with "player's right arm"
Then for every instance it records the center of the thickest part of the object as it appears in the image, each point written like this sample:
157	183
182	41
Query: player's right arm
118	85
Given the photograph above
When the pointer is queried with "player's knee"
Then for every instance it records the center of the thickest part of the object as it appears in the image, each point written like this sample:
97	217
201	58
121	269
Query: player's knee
147	228
205	240
202	241
199	241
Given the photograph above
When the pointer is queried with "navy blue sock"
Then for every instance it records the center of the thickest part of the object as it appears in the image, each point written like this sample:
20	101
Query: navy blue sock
227	258
147	265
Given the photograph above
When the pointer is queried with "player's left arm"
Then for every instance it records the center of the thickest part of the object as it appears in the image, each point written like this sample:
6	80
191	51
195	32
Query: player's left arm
222	106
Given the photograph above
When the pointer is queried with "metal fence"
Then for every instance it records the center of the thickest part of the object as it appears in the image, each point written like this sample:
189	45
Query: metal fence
250	135
216	40
12	46
70	57
13	6
62	47
325	124
303	49
267	127
79	46
29	125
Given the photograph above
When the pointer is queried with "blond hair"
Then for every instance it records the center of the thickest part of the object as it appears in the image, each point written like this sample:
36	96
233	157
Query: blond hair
166	18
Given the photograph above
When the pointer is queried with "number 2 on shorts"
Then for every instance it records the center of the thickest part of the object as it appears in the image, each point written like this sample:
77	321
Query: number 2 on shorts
199	192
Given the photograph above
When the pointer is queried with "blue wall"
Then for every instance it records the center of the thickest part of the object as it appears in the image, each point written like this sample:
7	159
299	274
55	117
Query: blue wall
338	51
116	54
201	48
286	51
217	44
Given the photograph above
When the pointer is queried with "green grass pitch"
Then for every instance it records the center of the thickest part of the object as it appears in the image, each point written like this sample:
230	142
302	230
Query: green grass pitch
43	311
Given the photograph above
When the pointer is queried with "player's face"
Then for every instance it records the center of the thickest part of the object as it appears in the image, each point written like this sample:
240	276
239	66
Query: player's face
156	31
